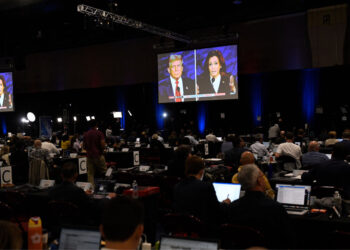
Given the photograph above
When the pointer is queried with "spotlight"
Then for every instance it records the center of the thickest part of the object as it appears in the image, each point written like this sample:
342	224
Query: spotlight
59	119
31	116
75	118
165	114
92	117
117	114
88	118
24	120
129	113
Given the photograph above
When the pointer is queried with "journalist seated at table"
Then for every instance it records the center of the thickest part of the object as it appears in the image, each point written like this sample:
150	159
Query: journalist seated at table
313	156
335	172
122	223
67	190
256	210
247	158
196	197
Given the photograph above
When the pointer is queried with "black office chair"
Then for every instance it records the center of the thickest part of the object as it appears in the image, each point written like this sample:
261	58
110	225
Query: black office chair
287	163
183	225
234	236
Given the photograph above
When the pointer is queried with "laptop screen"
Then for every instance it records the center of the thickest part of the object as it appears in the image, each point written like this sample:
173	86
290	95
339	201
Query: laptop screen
227	190
168	243
295	195
266	144
79	239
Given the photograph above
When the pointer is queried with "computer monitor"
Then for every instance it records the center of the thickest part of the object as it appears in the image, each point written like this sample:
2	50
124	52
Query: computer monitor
76	238
169	243
227	191
298	195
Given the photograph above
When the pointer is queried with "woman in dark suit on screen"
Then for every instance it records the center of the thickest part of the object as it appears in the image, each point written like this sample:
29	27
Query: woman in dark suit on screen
5	98
214	79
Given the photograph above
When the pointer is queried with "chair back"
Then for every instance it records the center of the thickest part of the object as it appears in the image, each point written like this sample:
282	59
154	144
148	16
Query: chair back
37	171
234	236
183	225
60	213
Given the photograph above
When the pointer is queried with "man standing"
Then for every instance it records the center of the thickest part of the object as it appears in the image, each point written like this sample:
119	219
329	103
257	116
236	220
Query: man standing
174	89
94	144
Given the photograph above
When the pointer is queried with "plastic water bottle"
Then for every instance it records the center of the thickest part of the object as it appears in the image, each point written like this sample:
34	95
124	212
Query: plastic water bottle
337	201
135	190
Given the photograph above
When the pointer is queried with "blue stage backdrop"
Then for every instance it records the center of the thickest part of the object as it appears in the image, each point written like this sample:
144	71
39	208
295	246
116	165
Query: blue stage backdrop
310	84
256	95
202	116
4	127
121	106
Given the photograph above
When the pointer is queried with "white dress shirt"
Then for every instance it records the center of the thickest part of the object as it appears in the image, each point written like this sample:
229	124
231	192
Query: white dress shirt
216	83
180	85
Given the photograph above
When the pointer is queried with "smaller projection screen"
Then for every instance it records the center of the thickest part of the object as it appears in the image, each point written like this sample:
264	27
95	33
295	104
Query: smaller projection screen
198	75
6	92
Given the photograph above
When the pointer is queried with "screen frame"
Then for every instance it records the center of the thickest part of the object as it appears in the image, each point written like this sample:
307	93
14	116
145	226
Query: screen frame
13	91
236	76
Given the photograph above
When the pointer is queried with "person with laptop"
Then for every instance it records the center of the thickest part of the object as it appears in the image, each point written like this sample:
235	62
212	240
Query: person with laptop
195	197
313	156
246	159
122	223
289	149
68	191
258	147
335	172
256	210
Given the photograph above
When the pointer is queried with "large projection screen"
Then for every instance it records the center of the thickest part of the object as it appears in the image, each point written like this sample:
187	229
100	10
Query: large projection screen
6	92
198	75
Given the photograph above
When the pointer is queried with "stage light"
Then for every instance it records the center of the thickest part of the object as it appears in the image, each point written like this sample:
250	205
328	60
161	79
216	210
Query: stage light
92	117
117	114
24	120
165	114
31	116
88	118
59	119
75	118
129	113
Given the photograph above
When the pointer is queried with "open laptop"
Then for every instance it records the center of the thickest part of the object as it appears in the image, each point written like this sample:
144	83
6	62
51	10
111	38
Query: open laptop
227	190
295	198
168	243
46	183
79	238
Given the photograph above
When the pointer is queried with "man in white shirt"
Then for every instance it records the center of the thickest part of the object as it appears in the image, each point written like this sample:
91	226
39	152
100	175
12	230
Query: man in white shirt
274	132
49	147
259	148
211	137
289	149
191	138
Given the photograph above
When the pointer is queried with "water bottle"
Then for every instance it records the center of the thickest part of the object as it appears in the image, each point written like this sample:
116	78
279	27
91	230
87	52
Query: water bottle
135	190
35	240
337	201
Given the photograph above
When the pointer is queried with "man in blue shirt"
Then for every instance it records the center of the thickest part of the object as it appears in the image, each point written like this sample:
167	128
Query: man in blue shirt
313	156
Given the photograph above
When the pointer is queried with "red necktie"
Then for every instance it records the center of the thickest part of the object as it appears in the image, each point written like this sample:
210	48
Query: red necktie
177	92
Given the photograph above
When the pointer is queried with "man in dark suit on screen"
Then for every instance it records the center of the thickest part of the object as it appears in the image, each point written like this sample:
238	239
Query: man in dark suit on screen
175	88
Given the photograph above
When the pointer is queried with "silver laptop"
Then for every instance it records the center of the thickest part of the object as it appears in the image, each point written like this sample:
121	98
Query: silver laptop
227	191
295	198
168	243
76	238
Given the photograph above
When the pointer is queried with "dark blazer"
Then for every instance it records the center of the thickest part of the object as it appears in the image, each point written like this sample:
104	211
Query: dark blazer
330	173
256	210
6	102
165	89
206	87
198	198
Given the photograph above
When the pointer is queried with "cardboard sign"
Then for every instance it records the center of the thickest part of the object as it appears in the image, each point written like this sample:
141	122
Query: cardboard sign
136	158
6	175
206	149
82	165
